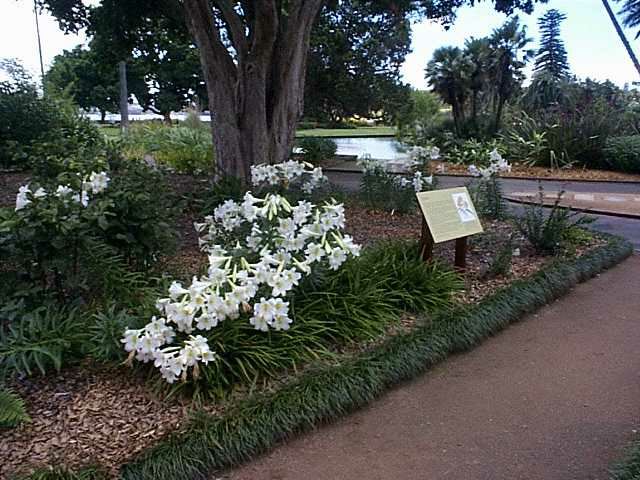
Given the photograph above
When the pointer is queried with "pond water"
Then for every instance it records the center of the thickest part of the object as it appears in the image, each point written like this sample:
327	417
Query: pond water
381	148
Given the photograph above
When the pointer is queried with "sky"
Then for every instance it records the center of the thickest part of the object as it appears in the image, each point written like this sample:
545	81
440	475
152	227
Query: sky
592	44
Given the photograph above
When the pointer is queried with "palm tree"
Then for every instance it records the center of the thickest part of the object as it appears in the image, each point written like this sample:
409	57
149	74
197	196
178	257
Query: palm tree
632	12
447	75
477	52
508	58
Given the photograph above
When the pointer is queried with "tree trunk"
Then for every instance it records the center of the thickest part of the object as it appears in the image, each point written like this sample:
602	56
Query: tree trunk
622	36
255	97
166	117
103	115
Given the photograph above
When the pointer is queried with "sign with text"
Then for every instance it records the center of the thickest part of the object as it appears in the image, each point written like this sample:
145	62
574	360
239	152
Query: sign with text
449	213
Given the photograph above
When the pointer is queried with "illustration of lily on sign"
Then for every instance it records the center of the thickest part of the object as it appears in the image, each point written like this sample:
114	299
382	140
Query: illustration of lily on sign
463	206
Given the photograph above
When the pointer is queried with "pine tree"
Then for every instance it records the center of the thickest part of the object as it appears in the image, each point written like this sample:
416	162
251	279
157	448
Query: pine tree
631	14
551	59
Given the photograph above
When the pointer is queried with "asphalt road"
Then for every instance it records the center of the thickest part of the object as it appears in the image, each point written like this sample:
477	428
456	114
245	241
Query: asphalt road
625	227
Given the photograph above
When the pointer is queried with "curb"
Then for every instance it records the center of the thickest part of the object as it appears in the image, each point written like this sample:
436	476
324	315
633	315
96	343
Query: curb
593	211
209	443
534	179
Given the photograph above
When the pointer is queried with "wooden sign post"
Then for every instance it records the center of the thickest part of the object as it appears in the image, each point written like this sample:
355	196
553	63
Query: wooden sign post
447	215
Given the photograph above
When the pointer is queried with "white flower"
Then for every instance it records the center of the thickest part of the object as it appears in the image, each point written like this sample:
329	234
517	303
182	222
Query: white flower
40	193
63	191
22	199
336	258
130	339
176	290
98	181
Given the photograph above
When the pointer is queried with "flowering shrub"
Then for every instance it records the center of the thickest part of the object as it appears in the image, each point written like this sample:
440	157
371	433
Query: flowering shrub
396	192
45	233
496	166
289	175
259	250
96	183
488	193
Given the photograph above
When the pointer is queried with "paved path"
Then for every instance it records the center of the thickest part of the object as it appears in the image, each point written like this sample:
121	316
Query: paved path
628	228
552	398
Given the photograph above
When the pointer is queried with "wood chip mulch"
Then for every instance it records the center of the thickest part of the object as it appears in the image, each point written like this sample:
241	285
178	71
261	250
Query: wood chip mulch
520	171
85	416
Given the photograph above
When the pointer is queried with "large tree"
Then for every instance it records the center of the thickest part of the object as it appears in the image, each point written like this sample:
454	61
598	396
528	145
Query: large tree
254	58
509	55
82	74
448	76
551	58
357	49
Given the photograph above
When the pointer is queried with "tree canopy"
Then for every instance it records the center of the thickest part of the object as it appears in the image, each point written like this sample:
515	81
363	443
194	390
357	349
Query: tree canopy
356	53
551	58
482	77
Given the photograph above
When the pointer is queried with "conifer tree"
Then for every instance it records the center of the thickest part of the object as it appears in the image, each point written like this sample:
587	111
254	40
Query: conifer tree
551	59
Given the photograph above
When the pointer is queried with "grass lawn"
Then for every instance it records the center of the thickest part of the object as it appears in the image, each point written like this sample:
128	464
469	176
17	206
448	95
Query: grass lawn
111	132
348	132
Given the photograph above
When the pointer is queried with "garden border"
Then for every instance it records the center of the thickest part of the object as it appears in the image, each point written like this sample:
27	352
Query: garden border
254	426
629	467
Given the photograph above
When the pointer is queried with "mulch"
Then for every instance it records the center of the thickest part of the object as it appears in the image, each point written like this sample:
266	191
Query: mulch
86	415
524	171
105	416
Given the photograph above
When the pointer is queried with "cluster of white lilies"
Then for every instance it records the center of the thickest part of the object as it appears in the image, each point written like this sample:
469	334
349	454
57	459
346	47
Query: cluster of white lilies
96	183
418	157
259	250
288	174
496	166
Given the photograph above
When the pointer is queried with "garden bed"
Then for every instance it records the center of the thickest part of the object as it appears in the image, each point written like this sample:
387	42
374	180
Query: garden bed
110	415
526	172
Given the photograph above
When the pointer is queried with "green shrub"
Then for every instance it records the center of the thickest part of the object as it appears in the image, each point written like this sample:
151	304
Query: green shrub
181	148
360	301
12	409
307	125
488	199
42	134
317	149
56	248
546	230
106	331
41	341
421	119
472	152
629	468
501	263
622	154
137	215
525	141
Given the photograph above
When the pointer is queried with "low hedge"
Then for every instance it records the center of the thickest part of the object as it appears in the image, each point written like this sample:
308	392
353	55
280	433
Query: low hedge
629	468
209	443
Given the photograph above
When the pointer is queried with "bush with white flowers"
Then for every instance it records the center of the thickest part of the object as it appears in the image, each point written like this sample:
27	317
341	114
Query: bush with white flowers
95	183
488	193
383	190
259	250
497	165
287	175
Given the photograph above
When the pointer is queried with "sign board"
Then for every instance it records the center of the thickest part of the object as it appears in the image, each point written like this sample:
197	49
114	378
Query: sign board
449	213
